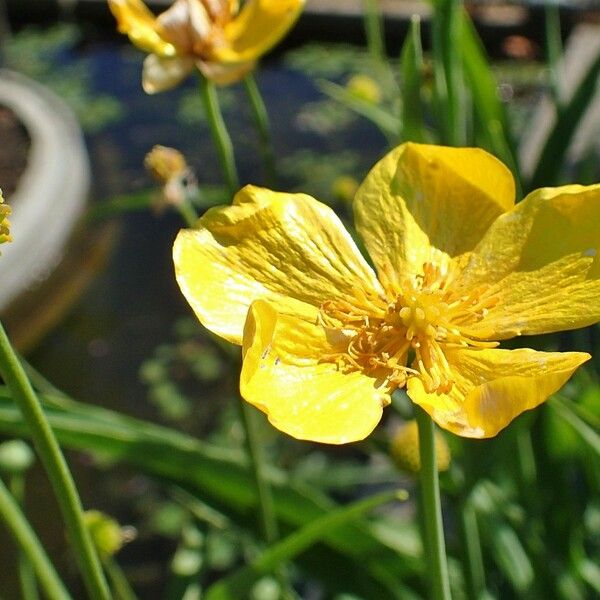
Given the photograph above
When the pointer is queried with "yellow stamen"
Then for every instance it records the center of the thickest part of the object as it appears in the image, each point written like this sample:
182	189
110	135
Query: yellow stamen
422	315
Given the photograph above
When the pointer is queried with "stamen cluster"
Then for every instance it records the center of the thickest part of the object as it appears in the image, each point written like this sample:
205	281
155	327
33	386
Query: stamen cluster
413	322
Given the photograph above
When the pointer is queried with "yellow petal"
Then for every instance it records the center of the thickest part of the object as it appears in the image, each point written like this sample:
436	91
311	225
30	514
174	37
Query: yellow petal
135	20
287	248
281	375
542	261
256	29
225	73
186	25
161	74
420	195
492	387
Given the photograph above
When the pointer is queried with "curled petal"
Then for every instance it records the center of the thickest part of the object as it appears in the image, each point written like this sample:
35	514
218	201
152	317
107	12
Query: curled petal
135	20
286	248
542	262
282	376
420	200
256	29
161	74
492	387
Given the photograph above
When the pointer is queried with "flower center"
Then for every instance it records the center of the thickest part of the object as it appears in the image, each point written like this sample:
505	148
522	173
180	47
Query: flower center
414	322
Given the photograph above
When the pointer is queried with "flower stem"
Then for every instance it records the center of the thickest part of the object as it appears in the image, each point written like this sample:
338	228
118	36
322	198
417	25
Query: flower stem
261	119
433	536
31	546
220	134
27	580
56	468
188	213
265	498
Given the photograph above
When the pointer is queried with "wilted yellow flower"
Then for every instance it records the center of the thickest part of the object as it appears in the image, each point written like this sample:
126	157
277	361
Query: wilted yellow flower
169	167
405	448
4	224
459	267
215	36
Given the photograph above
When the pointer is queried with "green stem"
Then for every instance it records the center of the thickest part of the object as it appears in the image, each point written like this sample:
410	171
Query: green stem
29	589
435	551
188	213
120	585
265	498
56	469
220	134
31	546
261	120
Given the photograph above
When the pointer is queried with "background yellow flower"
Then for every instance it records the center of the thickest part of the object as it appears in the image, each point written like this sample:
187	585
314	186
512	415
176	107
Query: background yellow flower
214	36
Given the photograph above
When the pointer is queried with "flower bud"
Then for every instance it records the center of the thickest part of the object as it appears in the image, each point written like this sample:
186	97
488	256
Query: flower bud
405	449
365	88
16	457
4	224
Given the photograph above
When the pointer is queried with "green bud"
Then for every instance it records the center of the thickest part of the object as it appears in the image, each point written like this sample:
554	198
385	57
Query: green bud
16	457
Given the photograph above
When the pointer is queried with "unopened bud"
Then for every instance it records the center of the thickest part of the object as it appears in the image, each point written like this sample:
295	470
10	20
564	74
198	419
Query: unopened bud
365	88
16	457
344	188
108	536
164	163
405	449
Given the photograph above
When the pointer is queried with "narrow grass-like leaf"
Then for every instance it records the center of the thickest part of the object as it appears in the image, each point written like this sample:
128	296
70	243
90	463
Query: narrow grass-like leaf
511	557
446	26
411	71
239	583
221	478
553	154
587	433
484	90
386	122
554	48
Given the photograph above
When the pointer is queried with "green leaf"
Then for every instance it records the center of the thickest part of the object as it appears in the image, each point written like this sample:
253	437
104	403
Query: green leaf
357	556
511	556
446	27
386	122
239	583
483	86
566	410
411	70
553	154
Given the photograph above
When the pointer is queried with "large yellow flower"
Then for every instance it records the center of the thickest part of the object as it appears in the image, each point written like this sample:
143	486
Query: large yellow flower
459	267
222	41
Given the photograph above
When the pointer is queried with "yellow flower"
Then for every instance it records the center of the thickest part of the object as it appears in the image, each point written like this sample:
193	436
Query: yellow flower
4	224
215	36
326	339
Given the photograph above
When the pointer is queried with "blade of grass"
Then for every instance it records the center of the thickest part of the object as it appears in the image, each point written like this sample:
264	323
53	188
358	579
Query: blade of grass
31	546
221	477
489	110
566	412
554	49
374	30
239	583
446	25
411	70
552	157
386	122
